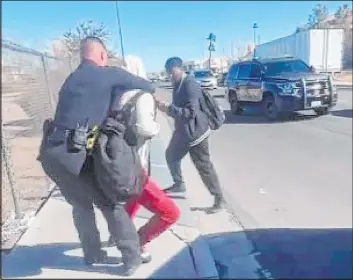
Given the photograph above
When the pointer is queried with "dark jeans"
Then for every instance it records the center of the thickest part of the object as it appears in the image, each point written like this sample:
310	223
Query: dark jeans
200	155
82	192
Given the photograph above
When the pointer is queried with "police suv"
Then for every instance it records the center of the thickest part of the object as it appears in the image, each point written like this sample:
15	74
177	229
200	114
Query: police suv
279	86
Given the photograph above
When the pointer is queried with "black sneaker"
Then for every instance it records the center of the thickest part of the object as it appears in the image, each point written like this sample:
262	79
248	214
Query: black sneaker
100	258
130	268
111	242
217	206
175	189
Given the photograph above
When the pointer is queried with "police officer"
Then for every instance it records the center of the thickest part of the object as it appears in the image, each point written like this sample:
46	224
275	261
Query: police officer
85	97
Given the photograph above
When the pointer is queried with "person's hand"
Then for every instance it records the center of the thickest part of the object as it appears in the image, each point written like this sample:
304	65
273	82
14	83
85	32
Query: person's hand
161	105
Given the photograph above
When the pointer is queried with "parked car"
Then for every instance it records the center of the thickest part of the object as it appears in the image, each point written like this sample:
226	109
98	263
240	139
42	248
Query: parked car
164	78
205	78
153	77
279	86
221	79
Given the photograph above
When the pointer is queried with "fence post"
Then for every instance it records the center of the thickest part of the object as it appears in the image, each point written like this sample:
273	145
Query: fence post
6	157
51	101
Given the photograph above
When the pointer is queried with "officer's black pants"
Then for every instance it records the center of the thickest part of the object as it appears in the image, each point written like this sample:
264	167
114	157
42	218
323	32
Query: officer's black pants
200	155
82	192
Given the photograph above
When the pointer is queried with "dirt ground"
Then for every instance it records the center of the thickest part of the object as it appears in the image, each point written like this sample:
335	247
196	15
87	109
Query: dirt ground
344	77
31	186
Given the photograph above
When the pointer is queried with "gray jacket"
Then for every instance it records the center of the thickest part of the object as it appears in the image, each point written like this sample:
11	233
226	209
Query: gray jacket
190	122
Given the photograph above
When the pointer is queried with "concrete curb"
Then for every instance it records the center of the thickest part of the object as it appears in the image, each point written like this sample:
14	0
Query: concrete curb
343	84
199	249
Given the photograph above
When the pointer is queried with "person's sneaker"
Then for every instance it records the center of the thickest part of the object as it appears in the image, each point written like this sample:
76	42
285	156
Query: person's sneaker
217	206
175	189
100	258
130	268
146	257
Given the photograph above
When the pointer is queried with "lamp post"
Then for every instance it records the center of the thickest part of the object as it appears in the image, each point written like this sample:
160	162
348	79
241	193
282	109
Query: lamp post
211	47
255	26
120	31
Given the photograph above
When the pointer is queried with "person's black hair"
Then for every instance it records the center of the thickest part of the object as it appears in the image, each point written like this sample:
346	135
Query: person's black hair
172	63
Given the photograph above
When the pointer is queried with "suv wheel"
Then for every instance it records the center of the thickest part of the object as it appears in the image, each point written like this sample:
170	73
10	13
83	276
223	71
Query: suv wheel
321	111
234	104
270	109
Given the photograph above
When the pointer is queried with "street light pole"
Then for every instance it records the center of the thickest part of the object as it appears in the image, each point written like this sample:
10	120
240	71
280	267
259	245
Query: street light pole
209	57
211	47
255	26
120	31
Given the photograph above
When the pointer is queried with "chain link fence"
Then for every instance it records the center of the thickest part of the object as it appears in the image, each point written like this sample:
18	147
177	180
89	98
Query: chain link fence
30	84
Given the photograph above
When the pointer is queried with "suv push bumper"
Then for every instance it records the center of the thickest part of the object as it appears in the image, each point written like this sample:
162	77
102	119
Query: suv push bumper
296	103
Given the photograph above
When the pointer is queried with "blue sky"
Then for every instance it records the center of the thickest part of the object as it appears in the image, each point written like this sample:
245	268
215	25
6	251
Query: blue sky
156	30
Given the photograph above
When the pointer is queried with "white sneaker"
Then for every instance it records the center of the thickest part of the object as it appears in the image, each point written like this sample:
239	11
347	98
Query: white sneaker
146	257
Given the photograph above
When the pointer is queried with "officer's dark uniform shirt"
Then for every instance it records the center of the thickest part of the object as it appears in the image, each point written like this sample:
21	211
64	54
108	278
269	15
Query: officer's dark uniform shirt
87	93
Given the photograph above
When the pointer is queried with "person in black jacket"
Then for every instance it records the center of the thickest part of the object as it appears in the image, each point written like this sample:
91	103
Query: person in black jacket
86	96
191	132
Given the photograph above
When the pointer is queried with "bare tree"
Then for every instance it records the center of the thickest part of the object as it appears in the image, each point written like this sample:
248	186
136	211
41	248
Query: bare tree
342	16
72	39
300	29
319	17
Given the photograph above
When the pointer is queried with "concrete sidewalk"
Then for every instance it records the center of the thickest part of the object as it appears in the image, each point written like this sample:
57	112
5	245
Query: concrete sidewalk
341	84
50	247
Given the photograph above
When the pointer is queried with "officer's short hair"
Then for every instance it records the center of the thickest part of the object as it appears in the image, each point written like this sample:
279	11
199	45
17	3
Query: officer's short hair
172	63
85	43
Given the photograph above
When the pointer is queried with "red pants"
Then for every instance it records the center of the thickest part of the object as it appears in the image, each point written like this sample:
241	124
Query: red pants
155	200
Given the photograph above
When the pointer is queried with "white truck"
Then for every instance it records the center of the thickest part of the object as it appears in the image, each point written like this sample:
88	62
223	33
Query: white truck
320	48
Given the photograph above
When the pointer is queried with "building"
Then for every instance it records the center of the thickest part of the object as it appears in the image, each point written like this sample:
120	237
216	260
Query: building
218	64
193	64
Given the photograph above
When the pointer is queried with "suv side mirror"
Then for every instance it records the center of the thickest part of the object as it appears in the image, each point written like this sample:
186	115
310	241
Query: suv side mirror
263	71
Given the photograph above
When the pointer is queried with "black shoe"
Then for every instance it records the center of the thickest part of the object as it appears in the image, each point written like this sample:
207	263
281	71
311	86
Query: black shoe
101	257
111	242
130	268
217	206
175	189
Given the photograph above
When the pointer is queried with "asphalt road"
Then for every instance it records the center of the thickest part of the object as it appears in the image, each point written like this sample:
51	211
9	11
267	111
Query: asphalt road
290	185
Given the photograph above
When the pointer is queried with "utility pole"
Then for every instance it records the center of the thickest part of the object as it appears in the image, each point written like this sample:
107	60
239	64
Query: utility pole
120	31
255	26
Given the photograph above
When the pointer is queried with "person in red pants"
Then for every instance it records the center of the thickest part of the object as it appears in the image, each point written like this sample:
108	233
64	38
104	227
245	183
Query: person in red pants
165	211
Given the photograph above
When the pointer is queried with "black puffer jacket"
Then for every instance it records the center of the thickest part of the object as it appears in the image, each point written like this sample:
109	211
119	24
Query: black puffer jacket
117	165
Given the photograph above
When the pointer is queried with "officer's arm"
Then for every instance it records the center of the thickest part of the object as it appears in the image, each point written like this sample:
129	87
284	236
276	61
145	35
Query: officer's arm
121	78
188	112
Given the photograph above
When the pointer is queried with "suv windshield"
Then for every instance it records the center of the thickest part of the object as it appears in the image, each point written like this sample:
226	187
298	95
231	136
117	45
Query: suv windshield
278	67
202	74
